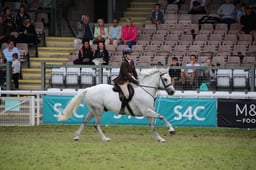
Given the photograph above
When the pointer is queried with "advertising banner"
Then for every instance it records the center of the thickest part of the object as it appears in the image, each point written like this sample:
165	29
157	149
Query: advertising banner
188	111
178	111
239	113
54	105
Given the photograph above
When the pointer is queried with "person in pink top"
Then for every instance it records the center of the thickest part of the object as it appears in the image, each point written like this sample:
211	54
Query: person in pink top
129	33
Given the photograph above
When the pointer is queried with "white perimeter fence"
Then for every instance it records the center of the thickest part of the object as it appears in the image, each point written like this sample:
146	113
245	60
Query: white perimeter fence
24	108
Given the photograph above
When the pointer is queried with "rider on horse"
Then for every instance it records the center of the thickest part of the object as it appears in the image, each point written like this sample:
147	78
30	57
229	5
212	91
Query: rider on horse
127	74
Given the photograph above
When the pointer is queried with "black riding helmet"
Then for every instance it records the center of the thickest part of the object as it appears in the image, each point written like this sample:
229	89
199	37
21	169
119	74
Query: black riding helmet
127	51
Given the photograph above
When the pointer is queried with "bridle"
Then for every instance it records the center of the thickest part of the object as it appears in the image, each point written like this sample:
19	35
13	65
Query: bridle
158	88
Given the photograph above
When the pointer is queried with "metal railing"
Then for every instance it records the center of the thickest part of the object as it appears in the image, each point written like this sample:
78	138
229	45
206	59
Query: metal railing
248	78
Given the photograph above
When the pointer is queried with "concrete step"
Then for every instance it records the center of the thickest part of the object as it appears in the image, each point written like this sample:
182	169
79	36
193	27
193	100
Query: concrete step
139	9
46	54
59	44
30	86
55	49
34	76
136	14
38	63
140	4
52	38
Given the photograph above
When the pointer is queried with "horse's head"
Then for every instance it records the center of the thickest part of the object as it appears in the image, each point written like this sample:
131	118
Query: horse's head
162	81
165	83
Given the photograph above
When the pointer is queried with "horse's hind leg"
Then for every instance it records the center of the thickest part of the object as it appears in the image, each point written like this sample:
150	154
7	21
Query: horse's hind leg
97	126
85	121
158	137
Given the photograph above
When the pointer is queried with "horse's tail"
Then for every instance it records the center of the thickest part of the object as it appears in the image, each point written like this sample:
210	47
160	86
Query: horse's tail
72	105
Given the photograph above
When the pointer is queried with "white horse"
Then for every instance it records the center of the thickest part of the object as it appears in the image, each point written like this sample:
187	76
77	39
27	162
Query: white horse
101	97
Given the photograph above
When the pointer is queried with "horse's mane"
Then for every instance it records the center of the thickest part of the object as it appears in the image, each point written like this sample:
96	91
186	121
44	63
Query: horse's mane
146	72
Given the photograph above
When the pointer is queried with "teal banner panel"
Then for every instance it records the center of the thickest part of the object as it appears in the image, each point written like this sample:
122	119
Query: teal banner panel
54	105
178	111
188	111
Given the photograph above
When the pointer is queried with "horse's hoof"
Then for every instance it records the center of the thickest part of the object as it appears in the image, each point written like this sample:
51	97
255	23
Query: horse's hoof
172	132
161	140
76	138
106	140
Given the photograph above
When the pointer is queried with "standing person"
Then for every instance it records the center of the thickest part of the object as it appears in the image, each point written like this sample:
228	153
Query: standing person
174	73
157	15
21	16
101	54
127	74
87	28
85	55
114	34
129	33
10	50
100	32
16	71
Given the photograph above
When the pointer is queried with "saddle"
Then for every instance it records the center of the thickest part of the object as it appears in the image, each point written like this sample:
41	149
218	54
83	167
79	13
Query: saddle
125	102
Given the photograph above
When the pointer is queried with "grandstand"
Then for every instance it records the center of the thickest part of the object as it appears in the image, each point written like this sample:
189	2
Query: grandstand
179	36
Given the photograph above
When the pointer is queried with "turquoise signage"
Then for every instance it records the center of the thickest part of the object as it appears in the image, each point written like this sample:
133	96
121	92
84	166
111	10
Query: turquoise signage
178	111
188	111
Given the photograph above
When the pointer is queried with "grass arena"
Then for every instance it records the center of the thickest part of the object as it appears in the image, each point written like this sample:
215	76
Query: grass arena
132	147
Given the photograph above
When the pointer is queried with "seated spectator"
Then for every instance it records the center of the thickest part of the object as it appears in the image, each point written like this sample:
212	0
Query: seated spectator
227	12
100	32
114	35
2	70
10	50
157	16
129	33
190	73
27	33
101	55
248	23
174	73
4	33
16	68
240	12
209	74
85	55
9	19
21	16
87	27
197	7
2	59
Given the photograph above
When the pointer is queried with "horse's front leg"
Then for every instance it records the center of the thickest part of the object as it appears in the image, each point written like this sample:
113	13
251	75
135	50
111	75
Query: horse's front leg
158	137
153	114
98	128
85	121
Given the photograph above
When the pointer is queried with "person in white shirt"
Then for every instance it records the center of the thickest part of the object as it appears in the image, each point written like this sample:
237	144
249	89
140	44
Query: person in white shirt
227	12
10	50
16	71
190	73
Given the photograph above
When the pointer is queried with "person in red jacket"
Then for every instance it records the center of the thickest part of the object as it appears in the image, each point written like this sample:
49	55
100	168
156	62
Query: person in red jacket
129	33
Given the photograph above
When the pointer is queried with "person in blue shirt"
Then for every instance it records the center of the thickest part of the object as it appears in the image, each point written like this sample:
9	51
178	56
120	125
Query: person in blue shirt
157	15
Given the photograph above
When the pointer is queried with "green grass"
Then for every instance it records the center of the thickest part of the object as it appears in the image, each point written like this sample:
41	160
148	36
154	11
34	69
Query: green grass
131	148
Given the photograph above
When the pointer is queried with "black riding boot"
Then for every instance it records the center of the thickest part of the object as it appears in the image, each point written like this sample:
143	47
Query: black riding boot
124	103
